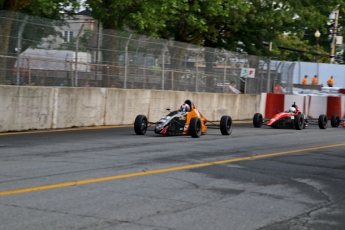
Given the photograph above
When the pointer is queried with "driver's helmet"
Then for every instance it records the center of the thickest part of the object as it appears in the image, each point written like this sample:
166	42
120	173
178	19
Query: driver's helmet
185	108
292	110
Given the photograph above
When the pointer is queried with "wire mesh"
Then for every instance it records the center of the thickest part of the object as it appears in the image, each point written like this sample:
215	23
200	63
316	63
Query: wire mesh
38	51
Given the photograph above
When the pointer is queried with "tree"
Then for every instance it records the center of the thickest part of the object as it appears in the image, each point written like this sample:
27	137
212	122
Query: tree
187	22
15	9
112	14
229	24
84	41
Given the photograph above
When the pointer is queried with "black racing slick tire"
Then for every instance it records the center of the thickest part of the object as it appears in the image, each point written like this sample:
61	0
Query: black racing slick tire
195	127
322	121
335	121
257	120
226	125
140	125
299	122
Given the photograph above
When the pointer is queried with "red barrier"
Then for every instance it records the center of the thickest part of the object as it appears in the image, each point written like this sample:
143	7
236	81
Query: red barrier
274	103
342	90
333	106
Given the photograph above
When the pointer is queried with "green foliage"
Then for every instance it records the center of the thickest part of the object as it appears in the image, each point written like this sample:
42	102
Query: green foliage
52	9
83	44
39	20
224	23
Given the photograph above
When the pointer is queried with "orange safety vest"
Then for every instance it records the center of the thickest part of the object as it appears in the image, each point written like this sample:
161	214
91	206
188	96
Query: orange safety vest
330	82
314	81
305	81
278	89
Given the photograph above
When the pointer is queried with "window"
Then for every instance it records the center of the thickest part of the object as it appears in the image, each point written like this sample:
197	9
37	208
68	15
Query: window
68	35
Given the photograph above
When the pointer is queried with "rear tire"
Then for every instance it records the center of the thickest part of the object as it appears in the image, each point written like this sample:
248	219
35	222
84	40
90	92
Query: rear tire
323	121
335	120
226	125
195	127
299	122
257	120
140	125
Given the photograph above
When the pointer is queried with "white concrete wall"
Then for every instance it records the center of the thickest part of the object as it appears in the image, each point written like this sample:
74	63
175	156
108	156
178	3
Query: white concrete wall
262	105
317	105
25	108
123	105
78	107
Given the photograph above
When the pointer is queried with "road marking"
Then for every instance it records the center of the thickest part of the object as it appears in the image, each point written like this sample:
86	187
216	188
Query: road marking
156	171
64	130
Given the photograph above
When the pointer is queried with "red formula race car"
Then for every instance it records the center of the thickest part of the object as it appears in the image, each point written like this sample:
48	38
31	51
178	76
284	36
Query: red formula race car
293	118
335	121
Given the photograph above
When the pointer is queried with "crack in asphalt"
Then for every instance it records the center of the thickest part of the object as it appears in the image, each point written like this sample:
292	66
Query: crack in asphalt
115	222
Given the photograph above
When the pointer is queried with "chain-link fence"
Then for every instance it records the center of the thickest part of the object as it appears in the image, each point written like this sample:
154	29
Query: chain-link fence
36	51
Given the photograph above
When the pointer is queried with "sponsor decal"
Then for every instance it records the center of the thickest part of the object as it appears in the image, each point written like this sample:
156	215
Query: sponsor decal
164	130
183	118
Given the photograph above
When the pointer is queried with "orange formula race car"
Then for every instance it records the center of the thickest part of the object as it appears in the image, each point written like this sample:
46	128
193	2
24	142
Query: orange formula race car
335	121
187	120
293	118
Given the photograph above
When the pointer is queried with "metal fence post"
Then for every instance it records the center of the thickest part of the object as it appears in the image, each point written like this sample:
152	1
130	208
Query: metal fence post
76	56
225	68
126	61
19	45
163	67
29	71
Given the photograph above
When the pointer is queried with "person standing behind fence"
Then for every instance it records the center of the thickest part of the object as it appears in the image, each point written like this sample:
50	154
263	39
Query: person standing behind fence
231	88
330	82
314	80
278	89
305	80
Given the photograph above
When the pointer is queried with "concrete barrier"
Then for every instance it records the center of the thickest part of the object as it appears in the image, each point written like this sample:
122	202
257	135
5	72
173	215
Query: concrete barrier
122	105
311	105
31	107
25	108
317	105
342	106
78	107
274	103
333	106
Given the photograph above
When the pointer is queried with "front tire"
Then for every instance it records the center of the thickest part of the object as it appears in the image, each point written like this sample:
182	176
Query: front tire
257	120
299	122
323	121
335	120
226	125
195	127
140	125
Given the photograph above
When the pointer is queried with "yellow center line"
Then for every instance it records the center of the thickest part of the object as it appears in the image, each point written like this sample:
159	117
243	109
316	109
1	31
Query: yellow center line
156	171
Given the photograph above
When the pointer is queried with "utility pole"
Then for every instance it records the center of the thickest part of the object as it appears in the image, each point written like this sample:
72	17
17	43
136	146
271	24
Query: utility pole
334	33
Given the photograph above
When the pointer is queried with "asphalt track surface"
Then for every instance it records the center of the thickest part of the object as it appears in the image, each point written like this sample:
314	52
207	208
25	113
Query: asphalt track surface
110	178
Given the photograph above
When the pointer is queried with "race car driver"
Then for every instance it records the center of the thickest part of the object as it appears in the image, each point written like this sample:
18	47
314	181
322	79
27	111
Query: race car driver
185	108
294	109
